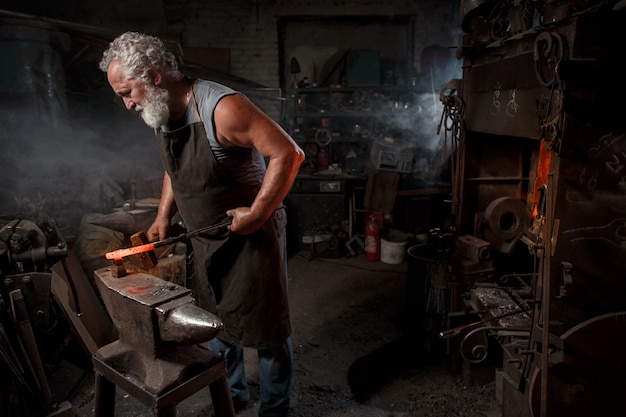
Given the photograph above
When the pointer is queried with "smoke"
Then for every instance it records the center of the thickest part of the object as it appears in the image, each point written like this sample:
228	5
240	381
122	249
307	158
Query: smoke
67	148
415	117
415	120
80	164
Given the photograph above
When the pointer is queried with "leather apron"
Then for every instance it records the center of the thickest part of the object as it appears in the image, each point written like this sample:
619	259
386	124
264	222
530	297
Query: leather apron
242	279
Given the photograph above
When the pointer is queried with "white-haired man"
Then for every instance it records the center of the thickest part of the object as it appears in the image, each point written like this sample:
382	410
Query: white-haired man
214	143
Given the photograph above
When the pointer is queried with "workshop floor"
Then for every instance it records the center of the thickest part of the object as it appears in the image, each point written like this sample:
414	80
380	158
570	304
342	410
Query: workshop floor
353	352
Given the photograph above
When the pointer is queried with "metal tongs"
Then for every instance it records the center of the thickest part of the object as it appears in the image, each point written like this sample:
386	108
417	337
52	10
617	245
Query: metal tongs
135	250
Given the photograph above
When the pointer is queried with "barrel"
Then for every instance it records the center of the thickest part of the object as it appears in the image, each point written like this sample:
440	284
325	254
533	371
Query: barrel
426	293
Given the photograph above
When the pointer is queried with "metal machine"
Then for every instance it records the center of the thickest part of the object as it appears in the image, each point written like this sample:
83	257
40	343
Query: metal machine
39	307
539	200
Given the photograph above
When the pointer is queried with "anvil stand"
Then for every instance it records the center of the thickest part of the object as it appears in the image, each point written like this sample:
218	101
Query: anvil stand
158	374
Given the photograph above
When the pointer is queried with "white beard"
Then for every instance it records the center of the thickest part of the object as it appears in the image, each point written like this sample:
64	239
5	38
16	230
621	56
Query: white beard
154	110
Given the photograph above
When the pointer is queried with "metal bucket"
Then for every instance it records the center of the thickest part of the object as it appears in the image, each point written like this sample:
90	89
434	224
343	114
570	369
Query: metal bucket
393	247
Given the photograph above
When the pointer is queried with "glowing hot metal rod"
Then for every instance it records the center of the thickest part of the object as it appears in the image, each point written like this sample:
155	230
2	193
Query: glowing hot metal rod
135	250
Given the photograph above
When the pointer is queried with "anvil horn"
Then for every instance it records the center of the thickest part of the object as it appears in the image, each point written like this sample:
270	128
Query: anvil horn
189	324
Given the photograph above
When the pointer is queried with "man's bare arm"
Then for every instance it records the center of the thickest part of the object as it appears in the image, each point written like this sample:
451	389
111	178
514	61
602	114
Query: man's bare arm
167	208
240	123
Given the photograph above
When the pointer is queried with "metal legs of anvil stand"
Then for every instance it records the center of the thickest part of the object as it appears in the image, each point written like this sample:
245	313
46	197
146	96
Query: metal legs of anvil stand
162	404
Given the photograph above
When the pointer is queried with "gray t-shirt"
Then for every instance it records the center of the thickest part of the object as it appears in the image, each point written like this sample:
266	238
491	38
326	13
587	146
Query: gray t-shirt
241	164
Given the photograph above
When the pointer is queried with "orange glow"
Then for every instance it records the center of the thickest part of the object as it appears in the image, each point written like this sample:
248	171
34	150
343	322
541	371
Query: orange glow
543	166
134	289
135	250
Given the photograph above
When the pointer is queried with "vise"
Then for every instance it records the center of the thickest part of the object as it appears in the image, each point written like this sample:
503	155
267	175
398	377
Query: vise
157	358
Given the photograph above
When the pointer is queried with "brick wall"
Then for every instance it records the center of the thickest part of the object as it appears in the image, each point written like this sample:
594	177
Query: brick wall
250	27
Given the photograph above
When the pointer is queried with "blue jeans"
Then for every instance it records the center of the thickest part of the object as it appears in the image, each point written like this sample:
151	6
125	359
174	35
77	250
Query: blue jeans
275	376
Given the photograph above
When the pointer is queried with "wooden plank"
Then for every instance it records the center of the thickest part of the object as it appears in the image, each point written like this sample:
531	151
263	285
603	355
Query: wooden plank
93	327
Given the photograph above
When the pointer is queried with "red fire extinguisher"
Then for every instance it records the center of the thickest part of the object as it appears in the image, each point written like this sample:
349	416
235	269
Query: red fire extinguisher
372	238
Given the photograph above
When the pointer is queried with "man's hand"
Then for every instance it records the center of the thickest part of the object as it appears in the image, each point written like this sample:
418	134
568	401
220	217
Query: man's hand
245	221
159	229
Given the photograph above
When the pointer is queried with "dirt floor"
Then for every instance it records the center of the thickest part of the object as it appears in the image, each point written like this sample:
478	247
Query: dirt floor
355	353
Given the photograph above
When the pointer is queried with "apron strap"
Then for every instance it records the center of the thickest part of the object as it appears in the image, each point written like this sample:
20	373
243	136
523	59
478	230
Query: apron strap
196	114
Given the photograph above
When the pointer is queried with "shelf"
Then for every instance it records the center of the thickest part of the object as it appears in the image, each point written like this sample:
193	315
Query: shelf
497	179
324	177
348	114
371	88
335	139
323	114
347	122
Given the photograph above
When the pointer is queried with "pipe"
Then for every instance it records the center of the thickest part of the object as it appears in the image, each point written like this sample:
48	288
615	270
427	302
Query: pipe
545	301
